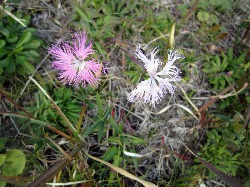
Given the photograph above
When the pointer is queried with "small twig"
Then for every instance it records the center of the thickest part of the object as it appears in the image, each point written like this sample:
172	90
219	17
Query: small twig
13	122
129	112
191	10
209	103
221	95
14	103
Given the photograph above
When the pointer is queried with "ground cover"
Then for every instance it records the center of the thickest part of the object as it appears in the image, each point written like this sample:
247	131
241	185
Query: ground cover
87	111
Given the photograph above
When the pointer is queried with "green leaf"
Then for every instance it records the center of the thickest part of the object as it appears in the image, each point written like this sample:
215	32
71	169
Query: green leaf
100	131
203	16
2	43
214	19
92	128
5	31
20	59
67	94
114	124
183	9
12	38
26	19
205	70
215	2
110	154
224	62
115	140
2	159
18	49
230	54
130	73
32	45
2	184
14	162
107	113
239	131
25	38
73	108
11	66
82	14
5	62
117	160
235	144
31	53
218	63
138	141
240	59
223	5
108	21
100	48
202	4
3	52
1	70
99	106
29	68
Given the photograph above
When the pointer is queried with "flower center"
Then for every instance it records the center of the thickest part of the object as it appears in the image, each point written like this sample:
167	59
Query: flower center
152	74
78	64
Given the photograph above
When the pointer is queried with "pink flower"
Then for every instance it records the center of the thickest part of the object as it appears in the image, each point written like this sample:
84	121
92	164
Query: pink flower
76	66
159	83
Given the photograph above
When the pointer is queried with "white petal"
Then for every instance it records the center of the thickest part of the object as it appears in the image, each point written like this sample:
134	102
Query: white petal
153	90
147	90
172	57
151	64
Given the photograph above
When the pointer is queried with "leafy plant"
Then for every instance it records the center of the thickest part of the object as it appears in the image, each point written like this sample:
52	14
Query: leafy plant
188	65
12	163
114	152
222	5
225	68
104	20
99	120
225	143
44	110
207	13
18	47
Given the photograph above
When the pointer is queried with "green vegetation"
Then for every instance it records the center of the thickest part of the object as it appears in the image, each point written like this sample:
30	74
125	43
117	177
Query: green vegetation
224	69
12	162
18	47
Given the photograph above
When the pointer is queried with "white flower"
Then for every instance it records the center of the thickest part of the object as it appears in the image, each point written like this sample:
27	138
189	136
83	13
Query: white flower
153	89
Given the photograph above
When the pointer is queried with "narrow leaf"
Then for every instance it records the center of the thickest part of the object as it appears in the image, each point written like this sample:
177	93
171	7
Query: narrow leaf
101	128
25	38
171	36
110	154
99	105
92	127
